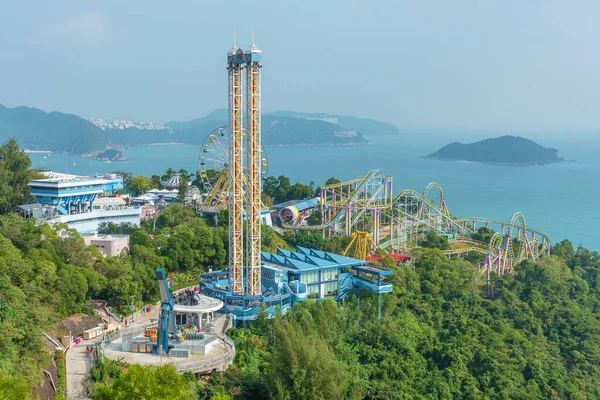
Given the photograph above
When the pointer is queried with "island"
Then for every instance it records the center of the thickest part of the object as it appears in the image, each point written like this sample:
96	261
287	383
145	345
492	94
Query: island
508	150
109	155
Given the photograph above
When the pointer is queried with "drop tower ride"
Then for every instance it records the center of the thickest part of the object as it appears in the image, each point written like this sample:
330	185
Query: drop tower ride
245	172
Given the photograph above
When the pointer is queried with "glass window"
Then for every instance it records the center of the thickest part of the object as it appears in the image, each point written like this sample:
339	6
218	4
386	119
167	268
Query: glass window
313	291
329	274
309	277
330	289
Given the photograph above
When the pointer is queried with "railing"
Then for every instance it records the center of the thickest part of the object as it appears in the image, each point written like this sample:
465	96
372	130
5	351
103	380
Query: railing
217	362
133	332
52	342
112	337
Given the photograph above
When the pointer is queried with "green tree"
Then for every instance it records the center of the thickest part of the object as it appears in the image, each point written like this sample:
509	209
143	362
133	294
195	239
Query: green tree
139	184
14	176
156	183
483	234
182	187
433	240
304	366
147	383
14	388
316	218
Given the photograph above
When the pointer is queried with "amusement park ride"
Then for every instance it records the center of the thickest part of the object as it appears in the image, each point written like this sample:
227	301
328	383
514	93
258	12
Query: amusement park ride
366	210
233	164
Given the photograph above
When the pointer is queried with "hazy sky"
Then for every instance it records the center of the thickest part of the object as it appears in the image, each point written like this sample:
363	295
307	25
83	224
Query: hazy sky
522	65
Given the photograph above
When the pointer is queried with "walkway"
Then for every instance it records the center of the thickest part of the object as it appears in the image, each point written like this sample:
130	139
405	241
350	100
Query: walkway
78	363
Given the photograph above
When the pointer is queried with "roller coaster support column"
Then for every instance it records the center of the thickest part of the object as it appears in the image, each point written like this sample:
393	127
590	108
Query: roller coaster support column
376	226
323	210
348	220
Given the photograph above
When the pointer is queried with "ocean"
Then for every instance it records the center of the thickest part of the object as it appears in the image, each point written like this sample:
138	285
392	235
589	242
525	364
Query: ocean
558	199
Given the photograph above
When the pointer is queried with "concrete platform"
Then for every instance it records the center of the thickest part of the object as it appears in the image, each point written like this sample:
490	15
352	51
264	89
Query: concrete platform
219	358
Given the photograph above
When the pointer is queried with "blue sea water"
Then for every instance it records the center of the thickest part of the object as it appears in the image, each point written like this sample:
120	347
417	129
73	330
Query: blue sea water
559	199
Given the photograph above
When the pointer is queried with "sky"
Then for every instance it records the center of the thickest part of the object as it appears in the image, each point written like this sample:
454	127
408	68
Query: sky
460	65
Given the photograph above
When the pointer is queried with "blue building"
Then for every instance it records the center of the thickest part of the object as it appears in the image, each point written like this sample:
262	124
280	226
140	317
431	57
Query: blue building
292	276
72	194
69	199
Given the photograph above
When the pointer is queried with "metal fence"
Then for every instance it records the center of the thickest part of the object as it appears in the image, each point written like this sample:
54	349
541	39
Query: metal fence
219	362
132	332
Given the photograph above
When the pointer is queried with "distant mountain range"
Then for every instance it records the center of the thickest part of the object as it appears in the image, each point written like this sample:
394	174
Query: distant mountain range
55	131
511	150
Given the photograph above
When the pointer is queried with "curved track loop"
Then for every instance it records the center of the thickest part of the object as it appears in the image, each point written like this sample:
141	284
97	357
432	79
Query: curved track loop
512	243
441	202
366	204
352	202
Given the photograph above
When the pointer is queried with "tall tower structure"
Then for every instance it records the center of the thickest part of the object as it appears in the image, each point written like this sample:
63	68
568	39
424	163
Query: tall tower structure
254	166
235	64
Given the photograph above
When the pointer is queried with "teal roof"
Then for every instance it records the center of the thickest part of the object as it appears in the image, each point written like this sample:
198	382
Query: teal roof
297	256
301	265
284	252
320	262
305	259
343	260
317	253
303	250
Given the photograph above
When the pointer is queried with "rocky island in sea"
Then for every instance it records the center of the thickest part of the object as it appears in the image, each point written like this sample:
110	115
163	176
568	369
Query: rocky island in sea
110	155
509	150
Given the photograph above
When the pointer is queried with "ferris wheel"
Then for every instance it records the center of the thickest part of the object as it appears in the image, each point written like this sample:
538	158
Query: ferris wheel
213	161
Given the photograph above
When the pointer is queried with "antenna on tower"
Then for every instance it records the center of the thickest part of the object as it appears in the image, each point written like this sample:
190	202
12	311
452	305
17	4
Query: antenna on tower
253	36
234	39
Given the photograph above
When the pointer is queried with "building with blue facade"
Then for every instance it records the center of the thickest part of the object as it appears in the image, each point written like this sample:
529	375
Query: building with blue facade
291	276
72	194
69	199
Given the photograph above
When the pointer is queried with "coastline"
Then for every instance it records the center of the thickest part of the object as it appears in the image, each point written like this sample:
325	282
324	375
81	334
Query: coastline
27	151
316	144
160	144
496	163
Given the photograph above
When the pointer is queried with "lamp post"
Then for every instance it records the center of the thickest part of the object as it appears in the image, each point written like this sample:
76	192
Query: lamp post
132	310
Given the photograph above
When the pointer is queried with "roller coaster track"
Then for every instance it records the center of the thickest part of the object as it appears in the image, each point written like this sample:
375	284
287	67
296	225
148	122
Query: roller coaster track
409	215
513	243
343	202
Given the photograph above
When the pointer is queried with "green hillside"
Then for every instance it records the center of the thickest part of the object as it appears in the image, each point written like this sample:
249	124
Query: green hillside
501	150
367	127
37	130
55	131
276	130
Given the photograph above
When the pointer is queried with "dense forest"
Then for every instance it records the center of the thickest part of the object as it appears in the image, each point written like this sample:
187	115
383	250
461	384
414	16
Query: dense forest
440	336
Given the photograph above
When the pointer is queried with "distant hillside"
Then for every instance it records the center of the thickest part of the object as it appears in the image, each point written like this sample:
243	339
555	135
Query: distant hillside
502	150
276	130
38	130
366	127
